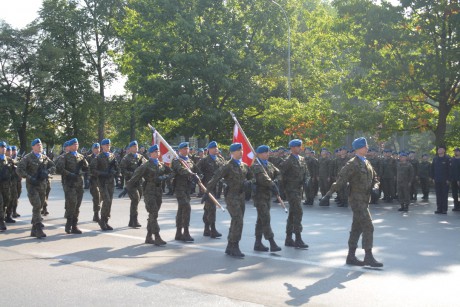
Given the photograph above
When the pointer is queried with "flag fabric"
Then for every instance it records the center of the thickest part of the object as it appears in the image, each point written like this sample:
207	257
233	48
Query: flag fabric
238	137
165	155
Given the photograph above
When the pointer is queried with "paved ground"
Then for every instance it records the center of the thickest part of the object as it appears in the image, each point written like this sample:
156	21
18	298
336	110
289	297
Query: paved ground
420	250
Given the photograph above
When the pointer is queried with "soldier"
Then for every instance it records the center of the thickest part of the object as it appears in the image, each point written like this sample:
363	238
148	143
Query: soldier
36	167
339	162
130	162
183	177
362	179
374	160
71	166
153	172
404	176
455	178
65	150
208	167
265	175
413	185
199	156
6	168
105	167
236	175
324	172
93	182
309	189
388	167
424	176
440	168
16	193
294	173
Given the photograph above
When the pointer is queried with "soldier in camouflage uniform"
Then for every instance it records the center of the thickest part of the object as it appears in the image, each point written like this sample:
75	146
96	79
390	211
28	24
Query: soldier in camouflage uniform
71	166
16	184
36	167
130	162
236	175
6	169
413	186
388	175
182	180
208	166
65	150
265	176
424	176
105	167
374	160
93	182
324	172
362	179
339	162
404	176
153	172
311	189
294	173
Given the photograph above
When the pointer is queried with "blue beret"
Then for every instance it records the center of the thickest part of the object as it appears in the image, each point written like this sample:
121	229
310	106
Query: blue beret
324	149
425	155
133	143
235	147
96	145
387	150
200	150
105	142
72	141
212	144
66	144
403	154
183	145
313	152
457	149
262	149
35	142
295	143
2	144
8	147
153	148
14	147
359	143
394	153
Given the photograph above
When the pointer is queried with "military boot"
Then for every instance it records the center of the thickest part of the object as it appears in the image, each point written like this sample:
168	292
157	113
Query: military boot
402	208
258	245
130	223
135	222
39	232
9	219
68	225
102	224
2	225
148	238
214	232
178	235
228	248
186	236
75	229
106	220
273	246
456	206
96	216
406	208
351	258
158	240
299	242
33	231
206	231
235	251
370	261
289	241
15	214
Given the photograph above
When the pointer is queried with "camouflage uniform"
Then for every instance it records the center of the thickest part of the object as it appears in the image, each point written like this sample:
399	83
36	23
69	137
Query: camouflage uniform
6	169
294	172
94	189
36	169
424	176
16	187
324	174
128	165
105	167
342	194
208	167
404	177
71	166
312	166
150	172
388	175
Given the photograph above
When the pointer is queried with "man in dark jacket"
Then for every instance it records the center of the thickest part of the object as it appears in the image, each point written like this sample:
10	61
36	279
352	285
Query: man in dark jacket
440	174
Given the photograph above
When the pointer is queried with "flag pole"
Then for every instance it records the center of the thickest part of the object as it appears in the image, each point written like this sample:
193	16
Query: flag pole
258	160
170	149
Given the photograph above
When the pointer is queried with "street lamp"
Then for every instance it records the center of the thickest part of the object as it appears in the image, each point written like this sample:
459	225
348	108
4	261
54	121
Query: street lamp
289	48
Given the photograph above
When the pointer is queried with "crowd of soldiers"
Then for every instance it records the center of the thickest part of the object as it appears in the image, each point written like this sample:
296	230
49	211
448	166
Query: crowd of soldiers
284	173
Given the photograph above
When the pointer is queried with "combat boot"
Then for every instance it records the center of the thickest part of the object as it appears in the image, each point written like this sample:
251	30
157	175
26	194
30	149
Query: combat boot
68	225
178	235
228	248
15	214
258	245
186	236
39	232
148	238
75	229
456	207
406	208
130	223
107	224
370	261
135	222
9	219
235	251
158	240
214	232
289	241
102	224
402	208
206	231
33	231
273	246
299	242
96	216
2	225
351	258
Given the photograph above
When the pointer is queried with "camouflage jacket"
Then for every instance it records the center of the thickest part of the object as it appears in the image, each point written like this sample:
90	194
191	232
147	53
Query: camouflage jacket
234	175
6	171
104	167
38	167
294	172
150	173
208	167
324	167
388	168
182	176
264	178
424	169
405	172
130	163
68	163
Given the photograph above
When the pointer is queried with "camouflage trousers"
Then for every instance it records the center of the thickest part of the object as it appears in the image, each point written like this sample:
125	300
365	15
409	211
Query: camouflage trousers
106	188
183	207
323	185
4	198
153	199
388	188
236	207
209	214
73	194
13	204
404	192
47	193
95	193
425	185
294	220
135	195
36	195
362	224
262	204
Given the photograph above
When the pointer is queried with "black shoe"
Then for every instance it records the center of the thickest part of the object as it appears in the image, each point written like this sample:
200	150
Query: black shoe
289	242
96	217
456	209
258	246
352	260
273	246
15	214
2	226
438	212
9	220
370	261
68	226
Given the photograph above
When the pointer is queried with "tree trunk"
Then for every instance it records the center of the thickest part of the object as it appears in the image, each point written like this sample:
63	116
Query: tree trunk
132	122
440	131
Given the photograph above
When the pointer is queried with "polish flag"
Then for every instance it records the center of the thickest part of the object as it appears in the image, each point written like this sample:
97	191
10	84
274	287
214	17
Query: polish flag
238	137
165	155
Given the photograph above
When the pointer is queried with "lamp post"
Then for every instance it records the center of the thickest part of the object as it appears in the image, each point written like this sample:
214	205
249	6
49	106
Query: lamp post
289	48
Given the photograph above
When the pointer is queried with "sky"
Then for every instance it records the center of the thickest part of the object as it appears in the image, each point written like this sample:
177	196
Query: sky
19	13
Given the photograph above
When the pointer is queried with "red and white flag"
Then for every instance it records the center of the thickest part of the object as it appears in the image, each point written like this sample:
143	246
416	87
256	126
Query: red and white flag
238	137
165	155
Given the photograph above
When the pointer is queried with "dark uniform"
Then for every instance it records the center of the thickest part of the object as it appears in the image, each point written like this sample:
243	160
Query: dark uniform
94	188
6	169
309	189
324	174
16	185
342	195
128	165
404	176
388	176
424	169
440	172
455	179
413	183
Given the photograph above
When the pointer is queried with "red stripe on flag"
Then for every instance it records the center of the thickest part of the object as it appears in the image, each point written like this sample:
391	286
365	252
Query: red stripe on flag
238	137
